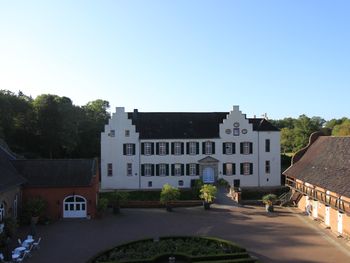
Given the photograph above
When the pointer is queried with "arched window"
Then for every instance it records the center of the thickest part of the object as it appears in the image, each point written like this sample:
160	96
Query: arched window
74	206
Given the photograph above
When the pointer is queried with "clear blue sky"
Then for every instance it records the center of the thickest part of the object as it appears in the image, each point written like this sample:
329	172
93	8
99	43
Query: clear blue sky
284	58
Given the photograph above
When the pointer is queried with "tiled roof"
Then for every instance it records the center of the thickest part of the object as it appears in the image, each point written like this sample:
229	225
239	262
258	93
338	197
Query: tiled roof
9	177
57	173
326	163
184	125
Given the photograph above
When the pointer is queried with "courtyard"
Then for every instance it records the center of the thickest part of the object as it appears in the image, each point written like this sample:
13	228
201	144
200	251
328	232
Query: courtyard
283	236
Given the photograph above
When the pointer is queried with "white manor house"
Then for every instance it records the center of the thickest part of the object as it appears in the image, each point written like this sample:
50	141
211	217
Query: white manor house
145	150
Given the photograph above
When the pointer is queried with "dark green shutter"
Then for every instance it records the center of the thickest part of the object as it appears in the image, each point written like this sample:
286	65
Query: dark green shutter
197	169
241	146
143	148
152	148
187	148
157	169
233	168
167	148
142	169
223	148
213	147
182	148
250	147
251	168
197	147
241	168
133	149
224	168
173	169
187	169
203	147
182	169
124	149
167	169
172	148
233	148
152	169
157	148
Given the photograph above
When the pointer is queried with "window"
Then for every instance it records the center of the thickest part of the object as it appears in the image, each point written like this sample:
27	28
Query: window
127	133
129	149
2	211
129	169
109	169
149	183
162	148
177	169
147	169
163	169
181	183
112	133
267	145
229	169
192	169
192	148
267	167
246	168
228	148
208	147
246	148
235	131
177	148
147	148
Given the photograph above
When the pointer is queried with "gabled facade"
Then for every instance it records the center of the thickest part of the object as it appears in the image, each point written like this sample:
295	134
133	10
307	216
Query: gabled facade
320	179
147	150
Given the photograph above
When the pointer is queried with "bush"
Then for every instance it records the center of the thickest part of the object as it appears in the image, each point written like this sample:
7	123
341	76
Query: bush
34	207
208	192
269	199
169	194
102	204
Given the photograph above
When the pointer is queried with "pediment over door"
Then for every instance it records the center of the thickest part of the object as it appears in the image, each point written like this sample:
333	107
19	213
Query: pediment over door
208	160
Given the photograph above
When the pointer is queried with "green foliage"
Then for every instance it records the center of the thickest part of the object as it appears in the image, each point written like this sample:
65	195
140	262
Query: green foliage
169	194
342	129
184	248
35	207
208	193
269	199
102	204
222	182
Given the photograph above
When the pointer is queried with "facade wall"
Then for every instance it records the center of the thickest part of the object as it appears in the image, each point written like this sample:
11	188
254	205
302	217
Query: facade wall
55	197
112	153
8	199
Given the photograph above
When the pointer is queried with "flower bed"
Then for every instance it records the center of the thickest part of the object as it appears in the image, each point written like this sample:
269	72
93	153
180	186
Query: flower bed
183	248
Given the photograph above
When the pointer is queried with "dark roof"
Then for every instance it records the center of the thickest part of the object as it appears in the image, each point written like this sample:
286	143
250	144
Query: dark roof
9	177
57	173
184	125
326	163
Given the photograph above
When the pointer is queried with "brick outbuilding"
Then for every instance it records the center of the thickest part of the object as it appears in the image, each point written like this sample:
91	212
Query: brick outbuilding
70	186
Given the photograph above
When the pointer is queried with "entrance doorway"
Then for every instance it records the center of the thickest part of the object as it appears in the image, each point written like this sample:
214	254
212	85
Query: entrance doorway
208	175
74	206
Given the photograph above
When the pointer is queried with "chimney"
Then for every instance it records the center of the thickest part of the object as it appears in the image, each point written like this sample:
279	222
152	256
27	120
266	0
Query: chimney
135	114
235	108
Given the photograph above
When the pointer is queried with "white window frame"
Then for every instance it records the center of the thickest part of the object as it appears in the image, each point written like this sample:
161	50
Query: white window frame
229	169
246	168
112	133
162	148
208	147
267	145
228	148
109	169
235	131
129	149
177	169
180	183
148	169
129	169
246	146
127	133
177	148
162	169
193	169
193	148
148	148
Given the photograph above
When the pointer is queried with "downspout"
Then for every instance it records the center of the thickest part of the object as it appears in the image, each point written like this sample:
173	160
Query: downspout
258	158
139	163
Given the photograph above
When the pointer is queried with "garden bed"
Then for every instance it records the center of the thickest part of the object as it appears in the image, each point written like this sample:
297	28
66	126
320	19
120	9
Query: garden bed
157	204
182	248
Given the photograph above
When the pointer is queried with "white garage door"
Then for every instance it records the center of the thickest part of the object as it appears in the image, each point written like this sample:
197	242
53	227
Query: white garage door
74	206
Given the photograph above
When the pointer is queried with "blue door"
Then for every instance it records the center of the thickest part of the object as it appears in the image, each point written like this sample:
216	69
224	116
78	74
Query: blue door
208	175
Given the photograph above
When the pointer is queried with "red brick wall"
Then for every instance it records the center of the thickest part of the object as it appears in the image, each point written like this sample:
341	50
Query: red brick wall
55	197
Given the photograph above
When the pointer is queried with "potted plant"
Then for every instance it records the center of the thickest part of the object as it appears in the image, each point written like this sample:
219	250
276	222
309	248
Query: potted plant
208	193
102	205
269	200
116	198
35	207
168	195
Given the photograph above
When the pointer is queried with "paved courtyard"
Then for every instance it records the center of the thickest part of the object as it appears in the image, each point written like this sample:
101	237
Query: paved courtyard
284	236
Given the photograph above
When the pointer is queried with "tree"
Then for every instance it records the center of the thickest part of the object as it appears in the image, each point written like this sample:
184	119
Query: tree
342	129
169	194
